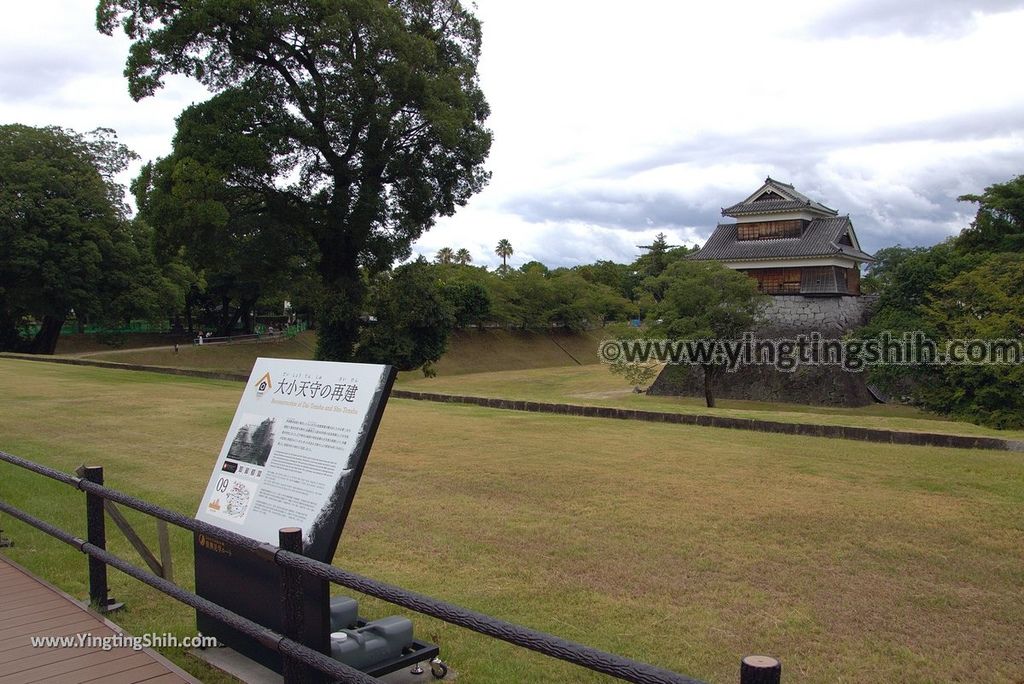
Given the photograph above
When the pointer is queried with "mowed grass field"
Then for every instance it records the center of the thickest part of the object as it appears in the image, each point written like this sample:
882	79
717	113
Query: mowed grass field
686	547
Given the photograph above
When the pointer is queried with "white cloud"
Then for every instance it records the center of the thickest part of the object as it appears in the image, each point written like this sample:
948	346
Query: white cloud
613	121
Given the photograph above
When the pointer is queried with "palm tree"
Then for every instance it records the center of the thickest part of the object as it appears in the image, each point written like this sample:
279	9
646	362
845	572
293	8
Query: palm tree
504	250
463	257
445	255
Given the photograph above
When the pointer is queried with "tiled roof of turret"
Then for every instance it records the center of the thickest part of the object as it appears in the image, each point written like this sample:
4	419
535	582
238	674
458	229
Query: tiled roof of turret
819	239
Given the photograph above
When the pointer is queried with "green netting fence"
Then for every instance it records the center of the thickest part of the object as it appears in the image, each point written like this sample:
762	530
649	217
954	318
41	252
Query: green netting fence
71	327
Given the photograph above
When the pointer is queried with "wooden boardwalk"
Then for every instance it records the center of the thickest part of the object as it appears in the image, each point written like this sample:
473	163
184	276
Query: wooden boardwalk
31	608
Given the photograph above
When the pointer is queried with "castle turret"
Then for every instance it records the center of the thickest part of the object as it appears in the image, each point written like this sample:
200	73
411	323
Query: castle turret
789	243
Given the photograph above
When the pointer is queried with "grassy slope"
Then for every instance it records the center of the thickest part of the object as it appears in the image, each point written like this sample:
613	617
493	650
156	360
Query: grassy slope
519	365
483	351
238	357
683	546
470	351
85	344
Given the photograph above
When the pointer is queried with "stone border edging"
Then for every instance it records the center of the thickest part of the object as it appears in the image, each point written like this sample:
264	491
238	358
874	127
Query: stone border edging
754	424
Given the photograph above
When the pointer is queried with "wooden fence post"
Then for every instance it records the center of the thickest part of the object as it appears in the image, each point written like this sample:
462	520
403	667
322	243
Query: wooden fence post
97	536
165	550
293	608
759	669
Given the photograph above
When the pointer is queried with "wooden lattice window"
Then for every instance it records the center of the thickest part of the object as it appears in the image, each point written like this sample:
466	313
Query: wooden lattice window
765	230
818	279
777	280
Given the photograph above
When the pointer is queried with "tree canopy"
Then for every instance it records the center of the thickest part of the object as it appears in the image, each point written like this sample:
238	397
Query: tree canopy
413	319
965	288
999	224
208	211
368	114
68	245
504	250
706	300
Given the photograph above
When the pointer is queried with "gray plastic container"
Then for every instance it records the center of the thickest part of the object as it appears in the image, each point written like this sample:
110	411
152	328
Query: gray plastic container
344	613
377	642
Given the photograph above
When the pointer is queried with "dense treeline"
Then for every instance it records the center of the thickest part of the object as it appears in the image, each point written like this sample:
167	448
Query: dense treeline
203	254
968	287
534	296
69	247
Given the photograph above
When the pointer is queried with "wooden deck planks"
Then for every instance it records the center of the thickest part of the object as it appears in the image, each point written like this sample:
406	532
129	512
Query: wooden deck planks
31	608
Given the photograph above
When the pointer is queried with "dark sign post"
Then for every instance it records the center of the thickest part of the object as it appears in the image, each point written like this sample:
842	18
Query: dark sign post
292	459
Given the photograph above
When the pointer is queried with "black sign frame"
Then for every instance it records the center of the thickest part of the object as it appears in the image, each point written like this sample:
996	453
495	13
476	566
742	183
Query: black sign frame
250	584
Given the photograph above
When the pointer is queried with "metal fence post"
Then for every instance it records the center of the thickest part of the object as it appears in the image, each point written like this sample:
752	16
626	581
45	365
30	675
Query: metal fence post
96	533
759	669
293	608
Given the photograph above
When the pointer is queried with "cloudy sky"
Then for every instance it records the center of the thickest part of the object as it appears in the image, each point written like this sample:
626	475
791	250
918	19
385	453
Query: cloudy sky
612	126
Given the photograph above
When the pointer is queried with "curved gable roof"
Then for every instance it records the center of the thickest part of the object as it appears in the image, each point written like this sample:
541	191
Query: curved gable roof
789	200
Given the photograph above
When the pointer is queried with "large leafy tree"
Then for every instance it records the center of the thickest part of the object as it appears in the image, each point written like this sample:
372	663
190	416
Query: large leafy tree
983	303
879	276
375	106
412	319
999	223
67	243
905	281
622	278
968	287
706	300
208	203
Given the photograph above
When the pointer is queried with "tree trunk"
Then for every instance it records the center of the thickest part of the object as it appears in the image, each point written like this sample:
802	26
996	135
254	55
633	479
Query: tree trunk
338	319
223	327
709	397
338	323
45	341
244	314
188	316
243	309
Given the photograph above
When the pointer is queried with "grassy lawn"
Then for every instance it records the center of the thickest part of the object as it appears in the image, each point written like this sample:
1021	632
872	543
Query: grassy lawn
686	547
595	385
